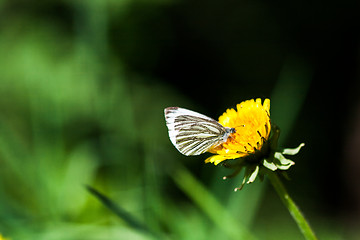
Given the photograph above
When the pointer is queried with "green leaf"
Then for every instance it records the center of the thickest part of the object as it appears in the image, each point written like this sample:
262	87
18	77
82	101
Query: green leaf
253	175
284	164
292	151
269	165
284	167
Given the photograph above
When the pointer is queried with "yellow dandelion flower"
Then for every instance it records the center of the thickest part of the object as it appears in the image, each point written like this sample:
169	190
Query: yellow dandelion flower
253	144
251	121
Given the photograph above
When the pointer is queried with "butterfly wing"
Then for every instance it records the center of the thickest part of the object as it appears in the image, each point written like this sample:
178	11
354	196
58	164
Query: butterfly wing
192	133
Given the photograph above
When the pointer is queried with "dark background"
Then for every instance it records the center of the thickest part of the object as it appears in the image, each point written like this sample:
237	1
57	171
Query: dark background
83	86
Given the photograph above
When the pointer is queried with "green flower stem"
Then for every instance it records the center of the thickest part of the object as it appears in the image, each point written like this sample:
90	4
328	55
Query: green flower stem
291	206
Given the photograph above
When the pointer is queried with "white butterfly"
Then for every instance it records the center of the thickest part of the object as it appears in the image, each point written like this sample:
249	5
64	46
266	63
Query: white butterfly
193	133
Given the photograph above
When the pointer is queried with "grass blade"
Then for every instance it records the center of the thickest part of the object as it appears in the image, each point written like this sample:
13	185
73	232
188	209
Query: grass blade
122	213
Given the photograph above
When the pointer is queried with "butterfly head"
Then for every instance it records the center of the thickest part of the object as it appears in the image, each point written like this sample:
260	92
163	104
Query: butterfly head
228	133
232	130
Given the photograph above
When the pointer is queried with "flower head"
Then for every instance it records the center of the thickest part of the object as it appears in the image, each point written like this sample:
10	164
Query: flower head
253	145
252	124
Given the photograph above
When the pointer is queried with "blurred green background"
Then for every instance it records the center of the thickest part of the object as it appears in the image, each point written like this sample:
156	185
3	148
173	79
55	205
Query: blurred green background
83	85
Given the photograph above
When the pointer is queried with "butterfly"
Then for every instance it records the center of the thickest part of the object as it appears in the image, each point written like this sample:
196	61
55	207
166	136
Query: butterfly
193	133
